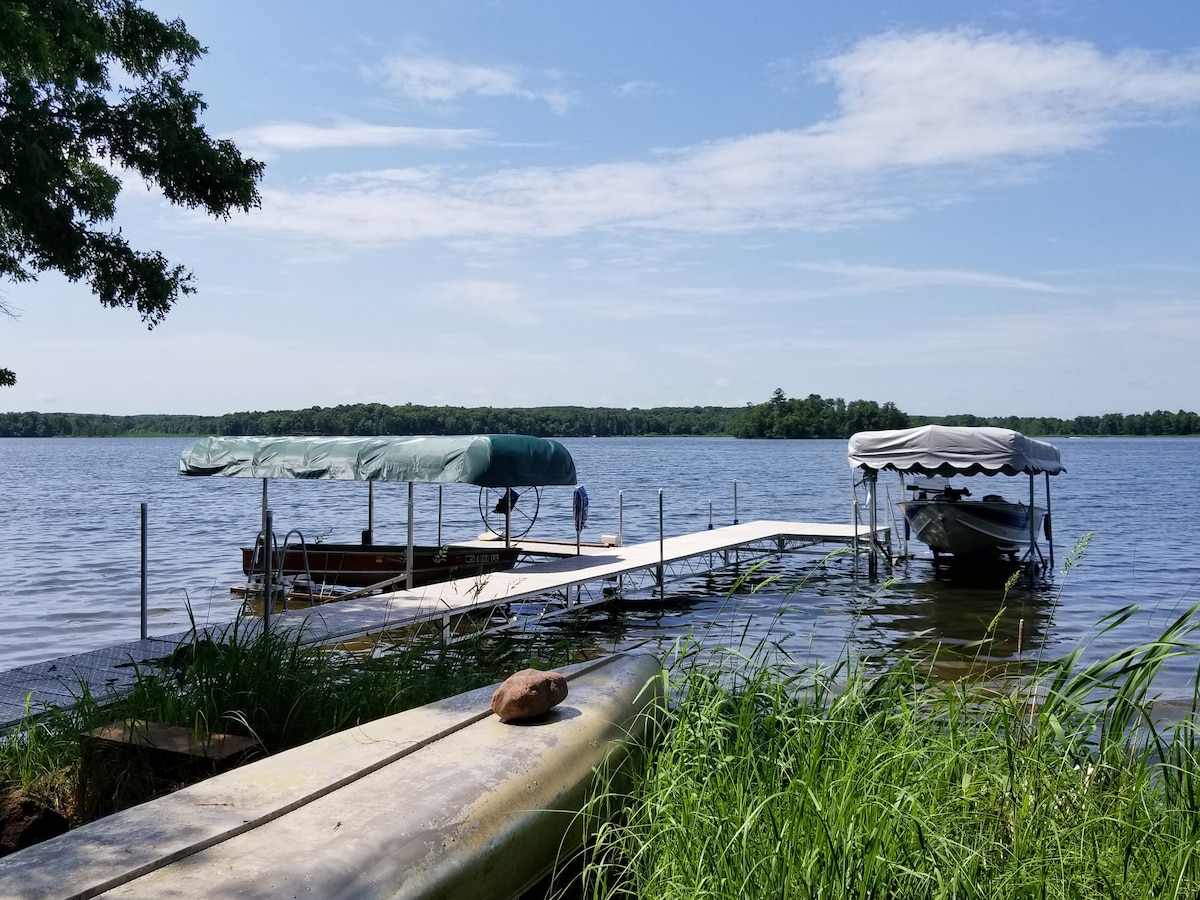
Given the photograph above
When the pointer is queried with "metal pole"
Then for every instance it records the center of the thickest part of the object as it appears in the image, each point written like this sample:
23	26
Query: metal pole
1049	522
660	543
735	512
1032	533
371	510
408	556
873	564
440	514
144	624
620	518
854	520
268	552
268	549
710	521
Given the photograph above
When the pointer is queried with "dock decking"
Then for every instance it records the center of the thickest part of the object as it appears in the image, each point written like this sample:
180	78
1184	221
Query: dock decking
596	575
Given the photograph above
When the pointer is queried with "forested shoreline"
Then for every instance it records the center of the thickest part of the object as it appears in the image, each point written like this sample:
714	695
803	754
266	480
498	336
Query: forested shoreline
780	417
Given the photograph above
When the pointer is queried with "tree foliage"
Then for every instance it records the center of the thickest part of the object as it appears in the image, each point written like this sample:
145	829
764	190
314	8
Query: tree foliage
90	89
378	418
815	417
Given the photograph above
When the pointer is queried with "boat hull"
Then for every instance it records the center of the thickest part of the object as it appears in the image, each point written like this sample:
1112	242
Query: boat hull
441	801
972	527
364	565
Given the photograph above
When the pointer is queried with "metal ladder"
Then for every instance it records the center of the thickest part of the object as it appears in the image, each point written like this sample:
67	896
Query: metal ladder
258	566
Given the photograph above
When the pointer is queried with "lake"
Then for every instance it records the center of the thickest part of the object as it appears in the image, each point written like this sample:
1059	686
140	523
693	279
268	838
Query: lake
70	538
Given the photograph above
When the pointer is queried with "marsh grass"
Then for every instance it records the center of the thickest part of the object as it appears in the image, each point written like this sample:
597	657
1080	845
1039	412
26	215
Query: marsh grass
271	687
768	782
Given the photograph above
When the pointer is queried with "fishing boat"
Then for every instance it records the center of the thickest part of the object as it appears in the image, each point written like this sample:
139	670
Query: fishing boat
515	465
939	513
445	800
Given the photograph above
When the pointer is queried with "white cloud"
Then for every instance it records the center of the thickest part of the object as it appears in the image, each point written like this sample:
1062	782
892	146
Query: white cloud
641	89
296	136
430	79
873	279
919	119
479	299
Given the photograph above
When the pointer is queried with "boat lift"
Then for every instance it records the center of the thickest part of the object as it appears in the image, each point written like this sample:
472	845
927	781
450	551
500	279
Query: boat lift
947	451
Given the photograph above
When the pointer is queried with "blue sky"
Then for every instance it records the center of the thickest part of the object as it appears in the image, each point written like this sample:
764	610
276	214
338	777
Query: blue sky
985	207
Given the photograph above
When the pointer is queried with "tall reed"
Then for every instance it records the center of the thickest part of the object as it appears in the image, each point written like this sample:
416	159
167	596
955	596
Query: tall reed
832	783
272	687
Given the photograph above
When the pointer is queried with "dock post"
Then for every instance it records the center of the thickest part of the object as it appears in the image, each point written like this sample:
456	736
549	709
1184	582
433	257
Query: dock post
144	628
620	518
660	544
854	522
735	513
710	519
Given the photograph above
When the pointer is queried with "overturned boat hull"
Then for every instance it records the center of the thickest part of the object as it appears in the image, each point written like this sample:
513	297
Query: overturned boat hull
440	801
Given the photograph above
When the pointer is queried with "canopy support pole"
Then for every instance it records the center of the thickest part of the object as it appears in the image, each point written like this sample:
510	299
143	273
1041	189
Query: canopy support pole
268	546
1034	551
1049	522
408	556
873	558
268	576
370	512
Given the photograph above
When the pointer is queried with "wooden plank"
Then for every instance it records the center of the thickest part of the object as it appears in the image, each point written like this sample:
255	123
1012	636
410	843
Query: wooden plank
172	739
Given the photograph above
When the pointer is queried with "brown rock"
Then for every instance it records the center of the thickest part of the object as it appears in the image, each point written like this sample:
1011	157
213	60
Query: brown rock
25	821
528	694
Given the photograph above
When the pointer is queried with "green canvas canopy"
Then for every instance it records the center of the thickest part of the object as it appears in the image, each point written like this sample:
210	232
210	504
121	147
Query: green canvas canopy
486	460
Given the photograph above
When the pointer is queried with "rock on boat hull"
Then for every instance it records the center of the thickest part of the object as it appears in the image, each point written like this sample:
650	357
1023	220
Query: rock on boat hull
440	801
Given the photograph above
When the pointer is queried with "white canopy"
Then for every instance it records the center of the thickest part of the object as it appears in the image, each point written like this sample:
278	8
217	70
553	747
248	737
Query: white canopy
946	450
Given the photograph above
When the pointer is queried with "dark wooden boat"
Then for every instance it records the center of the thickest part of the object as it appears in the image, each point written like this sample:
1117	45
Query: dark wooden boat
366	565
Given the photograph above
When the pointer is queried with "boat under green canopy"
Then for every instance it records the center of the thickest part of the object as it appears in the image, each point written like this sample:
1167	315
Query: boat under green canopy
486	460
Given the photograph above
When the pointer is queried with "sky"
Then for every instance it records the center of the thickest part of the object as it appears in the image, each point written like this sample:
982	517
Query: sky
988	208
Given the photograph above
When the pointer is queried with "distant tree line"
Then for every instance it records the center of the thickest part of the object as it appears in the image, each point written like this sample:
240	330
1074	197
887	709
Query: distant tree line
1157	423
779	417
377	418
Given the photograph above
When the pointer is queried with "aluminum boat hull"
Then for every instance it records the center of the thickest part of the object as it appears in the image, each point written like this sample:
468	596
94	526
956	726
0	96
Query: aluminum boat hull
440	801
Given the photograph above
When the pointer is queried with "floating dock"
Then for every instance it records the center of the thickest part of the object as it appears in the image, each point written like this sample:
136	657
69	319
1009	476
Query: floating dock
567	582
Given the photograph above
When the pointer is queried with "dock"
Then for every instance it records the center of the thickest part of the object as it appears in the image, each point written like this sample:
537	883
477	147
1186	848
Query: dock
565	582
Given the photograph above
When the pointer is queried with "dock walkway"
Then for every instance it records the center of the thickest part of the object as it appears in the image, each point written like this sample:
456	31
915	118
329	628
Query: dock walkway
596	575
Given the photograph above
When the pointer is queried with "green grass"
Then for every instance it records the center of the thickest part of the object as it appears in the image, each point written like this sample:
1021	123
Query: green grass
270	687
772	783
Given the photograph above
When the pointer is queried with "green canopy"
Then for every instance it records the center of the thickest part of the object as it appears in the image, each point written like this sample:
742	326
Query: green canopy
486	460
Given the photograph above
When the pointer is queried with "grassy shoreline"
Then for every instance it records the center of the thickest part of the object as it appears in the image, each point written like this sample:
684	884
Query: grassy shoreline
832	783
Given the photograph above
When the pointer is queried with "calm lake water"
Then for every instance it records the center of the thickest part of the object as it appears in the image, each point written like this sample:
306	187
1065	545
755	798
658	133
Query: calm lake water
70	544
